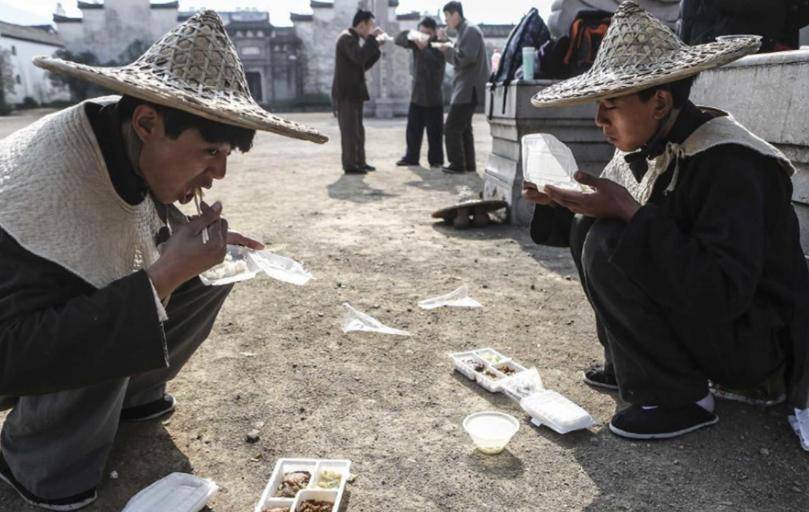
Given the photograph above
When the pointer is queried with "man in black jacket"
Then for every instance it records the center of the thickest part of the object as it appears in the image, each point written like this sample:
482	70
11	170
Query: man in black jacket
100	303
687	246
349	91
427	98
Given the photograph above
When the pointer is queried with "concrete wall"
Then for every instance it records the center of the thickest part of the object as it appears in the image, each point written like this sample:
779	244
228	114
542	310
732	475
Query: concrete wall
770	95
33	81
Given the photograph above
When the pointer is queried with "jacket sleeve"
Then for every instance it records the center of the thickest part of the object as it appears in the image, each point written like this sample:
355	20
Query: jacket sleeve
710	271
365	56
466	51
551	226
403	41
51	342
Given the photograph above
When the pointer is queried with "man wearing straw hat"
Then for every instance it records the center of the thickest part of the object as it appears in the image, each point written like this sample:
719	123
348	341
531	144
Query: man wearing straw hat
100	303
687	245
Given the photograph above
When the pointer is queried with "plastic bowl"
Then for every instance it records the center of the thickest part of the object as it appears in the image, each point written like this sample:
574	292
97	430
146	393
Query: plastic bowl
490	430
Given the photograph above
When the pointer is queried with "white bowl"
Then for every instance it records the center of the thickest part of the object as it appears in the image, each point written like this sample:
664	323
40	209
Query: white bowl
490	430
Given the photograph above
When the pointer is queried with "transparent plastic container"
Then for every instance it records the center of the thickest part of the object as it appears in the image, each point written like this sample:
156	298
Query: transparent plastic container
559	413
491	430
548	161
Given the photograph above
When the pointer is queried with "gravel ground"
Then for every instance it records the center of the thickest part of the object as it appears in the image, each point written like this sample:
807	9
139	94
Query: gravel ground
278	362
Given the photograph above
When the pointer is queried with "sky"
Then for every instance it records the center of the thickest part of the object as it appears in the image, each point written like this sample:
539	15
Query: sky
33	12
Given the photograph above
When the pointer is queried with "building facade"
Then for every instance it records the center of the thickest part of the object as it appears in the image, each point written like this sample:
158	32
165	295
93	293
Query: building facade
21	44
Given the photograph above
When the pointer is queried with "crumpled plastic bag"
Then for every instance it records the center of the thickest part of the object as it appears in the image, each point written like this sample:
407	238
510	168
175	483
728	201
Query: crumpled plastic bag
177	492
459	299
242	263
548	161
354	320
522	384
800	424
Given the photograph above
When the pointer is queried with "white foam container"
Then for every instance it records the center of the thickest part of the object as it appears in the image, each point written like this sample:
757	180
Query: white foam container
315	467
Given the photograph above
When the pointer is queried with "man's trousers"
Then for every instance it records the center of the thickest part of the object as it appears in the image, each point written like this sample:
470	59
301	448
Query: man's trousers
661	357
431	118
57	444
458	136
352	133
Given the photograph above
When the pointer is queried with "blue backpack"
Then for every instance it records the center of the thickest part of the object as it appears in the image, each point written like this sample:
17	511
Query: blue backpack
531	31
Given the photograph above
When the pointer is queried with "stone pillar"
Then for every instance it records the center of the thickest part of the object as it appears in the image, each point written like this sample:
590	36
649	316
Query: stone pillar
513	116
769	95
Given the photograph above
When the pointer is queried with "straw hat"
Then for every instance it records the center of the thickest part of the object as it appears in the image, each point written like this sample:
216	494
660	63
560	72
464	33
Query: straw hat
193	68
639	52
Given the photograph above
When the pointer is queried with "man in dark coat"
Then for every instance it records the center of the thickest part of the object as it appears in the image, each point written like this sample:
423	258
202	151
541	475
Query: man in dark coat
356	52
687	246
427	99
471	64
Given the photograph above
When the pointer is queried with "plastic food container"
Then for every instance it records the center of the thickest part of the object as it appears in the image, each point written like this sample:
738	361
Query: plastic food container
548	161
486	366
321	486
549	408
491	430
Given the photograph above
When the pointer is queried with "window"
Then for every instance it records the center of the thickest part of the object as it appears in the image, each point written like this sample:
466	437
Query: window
18	79
260	33
251	50
13	50
249	33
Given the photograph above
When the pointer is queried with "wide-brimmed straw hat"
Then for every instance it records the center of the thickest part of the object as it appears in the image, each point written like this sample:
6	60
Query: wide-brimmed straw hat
193	68
638	52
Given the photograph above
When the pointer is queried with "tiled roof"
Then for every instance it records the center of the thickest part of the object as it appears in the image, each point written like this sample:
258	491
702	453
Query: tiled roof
33	34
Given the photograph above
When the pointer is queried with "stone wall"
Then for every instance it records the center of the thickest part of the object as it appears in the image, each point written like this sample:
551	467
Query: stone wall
769	94
29	80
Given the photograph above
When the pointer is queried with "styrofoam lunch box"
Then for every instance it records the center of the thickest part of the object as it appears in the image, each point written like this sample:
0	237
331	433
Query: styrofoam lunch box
485	366
316	467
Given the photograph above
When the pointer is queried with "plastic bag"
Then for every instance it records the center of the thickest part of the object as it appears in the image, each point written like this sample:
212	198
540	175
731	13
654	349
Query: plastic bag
355	320
237	266
556	411
459	299
522	385
242	263
548	161
177	492
800	424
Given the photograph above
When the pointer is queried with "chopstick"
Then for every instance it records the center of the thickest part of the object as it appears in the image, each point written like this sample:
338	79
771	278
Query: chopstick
197	203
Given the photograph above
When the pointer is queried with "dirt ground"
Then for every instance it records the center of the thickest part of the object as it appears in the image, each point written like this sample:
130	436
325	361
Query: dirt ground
278	361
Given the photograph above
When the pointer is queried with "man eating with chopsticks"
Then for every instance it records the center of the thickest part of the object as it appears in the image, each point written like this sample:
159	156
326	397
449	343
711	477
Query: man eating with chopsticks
100	304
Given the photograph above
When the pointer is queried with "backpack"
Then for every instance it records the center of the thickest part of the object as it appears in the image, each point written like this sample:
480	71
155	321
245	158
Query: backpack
586	34
531	31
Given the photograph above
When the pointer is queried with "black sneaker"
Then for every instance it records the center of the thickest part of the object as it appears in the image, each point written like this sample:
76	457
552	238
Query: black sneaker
406	163
450	169
354	169
367	168
599	377
149	411
635	422
75	502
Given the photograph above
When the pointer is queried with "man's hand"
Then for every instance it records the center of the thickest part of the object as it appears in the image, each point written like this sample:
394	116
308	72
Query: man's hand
441	34
609	201
422	43
184	255
235	238
531	193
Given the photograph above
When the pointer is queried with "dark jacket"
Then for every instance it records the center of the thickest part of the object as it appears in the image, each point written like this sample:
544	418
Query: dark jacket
428	73
351	61
471	63
59	332
724	246
701	21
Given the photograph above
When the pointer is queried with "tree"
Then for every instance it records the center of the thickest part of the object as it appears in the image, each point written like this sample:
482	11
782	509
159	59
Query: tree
79	89
135	49
6	80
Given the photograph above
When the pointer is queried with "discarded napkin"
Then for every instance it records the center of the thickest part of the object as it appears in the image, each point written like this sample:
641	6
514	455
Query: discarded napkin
459	299
178	492
355	320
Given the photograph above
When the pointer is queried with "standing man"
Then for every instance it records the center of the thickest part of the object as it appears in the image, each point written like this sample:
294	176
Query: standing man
427	98
468	56
357	51
100	304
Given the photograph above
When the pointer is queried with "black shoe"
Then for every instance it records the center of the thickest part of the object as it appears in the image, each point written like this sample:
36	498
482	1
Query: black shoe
635	422
75	502
599	377
406	163
149	411
367	168
354	169
450	169
436	166
473	169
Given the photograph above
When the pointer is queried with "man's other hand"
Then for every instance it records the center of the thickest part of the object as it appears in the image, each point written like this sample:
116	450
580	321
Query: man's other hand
531	193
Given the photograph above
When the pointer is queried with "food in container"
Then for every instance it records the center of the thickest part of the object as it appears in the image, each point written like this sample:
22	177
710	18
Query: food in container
276	509
293	482
315	506
329	479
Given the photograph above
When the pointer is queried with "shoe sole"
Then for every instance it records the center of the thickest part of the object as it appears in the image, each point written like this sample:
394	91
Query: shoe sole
734	397
664	435
58	508
155	415
602	385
